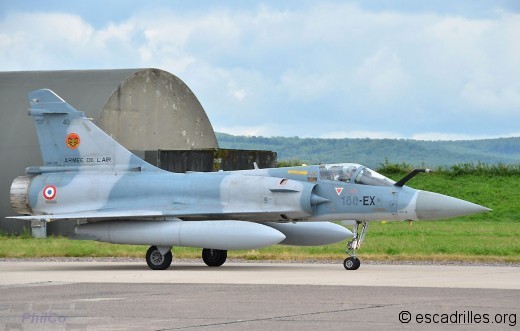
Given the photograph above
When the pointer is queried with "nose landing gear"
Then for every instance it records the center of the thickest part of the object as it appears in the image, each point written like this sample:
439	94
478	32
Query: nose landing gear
352	262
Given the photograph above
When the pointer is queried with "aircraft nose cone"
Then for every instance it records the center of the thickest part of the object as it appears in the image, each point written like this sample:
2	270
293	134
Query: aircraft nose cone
430	206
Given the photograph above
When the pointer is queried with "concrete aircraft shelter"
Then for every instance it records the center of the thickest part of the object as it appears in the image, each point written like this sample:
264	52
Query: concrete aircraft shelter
143	109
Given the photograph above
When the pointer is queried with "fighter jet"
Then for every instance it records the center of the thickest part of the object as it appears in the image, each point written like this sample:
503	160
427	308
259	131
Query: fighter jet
116	197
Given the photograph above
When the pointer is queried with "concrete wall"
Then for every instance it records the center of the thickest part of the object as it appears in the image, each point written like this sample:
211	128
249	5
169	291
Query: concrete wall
144	109
153	109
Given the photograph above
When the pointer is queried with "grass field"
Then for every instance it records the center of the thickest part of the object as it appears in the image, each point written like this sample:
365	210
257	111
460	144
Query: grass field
435	241
492	236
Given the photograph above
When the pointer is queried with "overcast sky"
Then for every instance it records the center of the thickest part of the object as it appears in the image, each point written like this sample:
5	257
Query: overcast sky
334	69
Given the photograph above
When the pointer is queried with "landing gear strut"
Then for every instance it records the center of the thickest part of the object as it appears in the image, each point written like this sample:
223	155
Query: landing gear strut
159	258
214	257
352	262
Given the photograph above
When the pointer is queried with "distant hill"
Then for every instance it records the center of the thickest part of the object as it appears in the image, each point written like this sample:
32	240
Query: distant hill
374	152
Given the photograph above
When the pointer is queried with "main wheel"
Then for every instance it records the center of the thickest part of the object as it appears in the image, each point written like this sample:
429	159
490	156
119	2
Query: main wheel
214	257
157	261
351	263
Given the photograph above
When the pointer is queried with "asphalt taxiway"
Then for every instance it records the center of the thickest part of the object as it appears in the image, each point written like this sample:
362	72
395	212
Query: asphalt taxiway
254	296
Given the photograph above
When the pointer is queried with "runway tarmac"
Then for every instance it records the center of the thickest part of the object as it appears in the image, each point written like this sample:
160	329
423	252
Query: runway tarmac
254	296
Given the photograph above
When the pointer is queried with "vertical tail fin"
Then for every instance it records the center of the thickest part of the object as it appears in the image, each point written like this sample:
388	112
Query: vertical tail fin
68	138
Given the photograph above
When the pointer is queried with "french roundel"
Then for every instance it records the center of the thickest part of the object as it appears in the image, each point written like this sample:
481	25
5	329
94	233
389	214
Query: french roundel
49	192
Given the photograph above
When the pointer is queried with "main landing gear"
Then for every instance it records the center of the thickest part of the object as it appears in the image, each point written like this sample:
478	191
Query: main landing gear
160	258
214	257
352	262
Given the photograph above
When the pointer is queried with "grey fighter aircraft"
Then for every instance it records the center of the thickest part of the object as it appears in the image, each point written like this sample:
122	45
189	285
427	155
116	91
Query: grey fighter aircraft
117	197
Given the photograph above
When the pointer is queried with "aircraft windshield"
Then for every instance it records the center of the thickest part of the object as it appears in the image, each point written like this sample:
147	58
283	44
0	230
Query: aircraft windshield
351	172
370	177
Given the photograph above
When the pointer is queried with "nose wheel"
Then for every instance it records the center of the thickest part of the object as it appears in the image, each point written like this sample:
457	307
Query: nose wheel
352	262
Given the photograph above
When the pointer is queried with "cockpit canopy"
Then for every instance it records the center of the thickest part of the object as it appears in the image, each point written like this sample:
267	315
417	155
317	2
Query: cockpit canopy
353	173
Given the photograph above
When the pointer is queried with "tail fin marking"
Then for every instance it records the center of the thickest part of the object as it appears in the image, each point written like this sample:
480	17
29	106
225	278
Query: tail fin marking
68	139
